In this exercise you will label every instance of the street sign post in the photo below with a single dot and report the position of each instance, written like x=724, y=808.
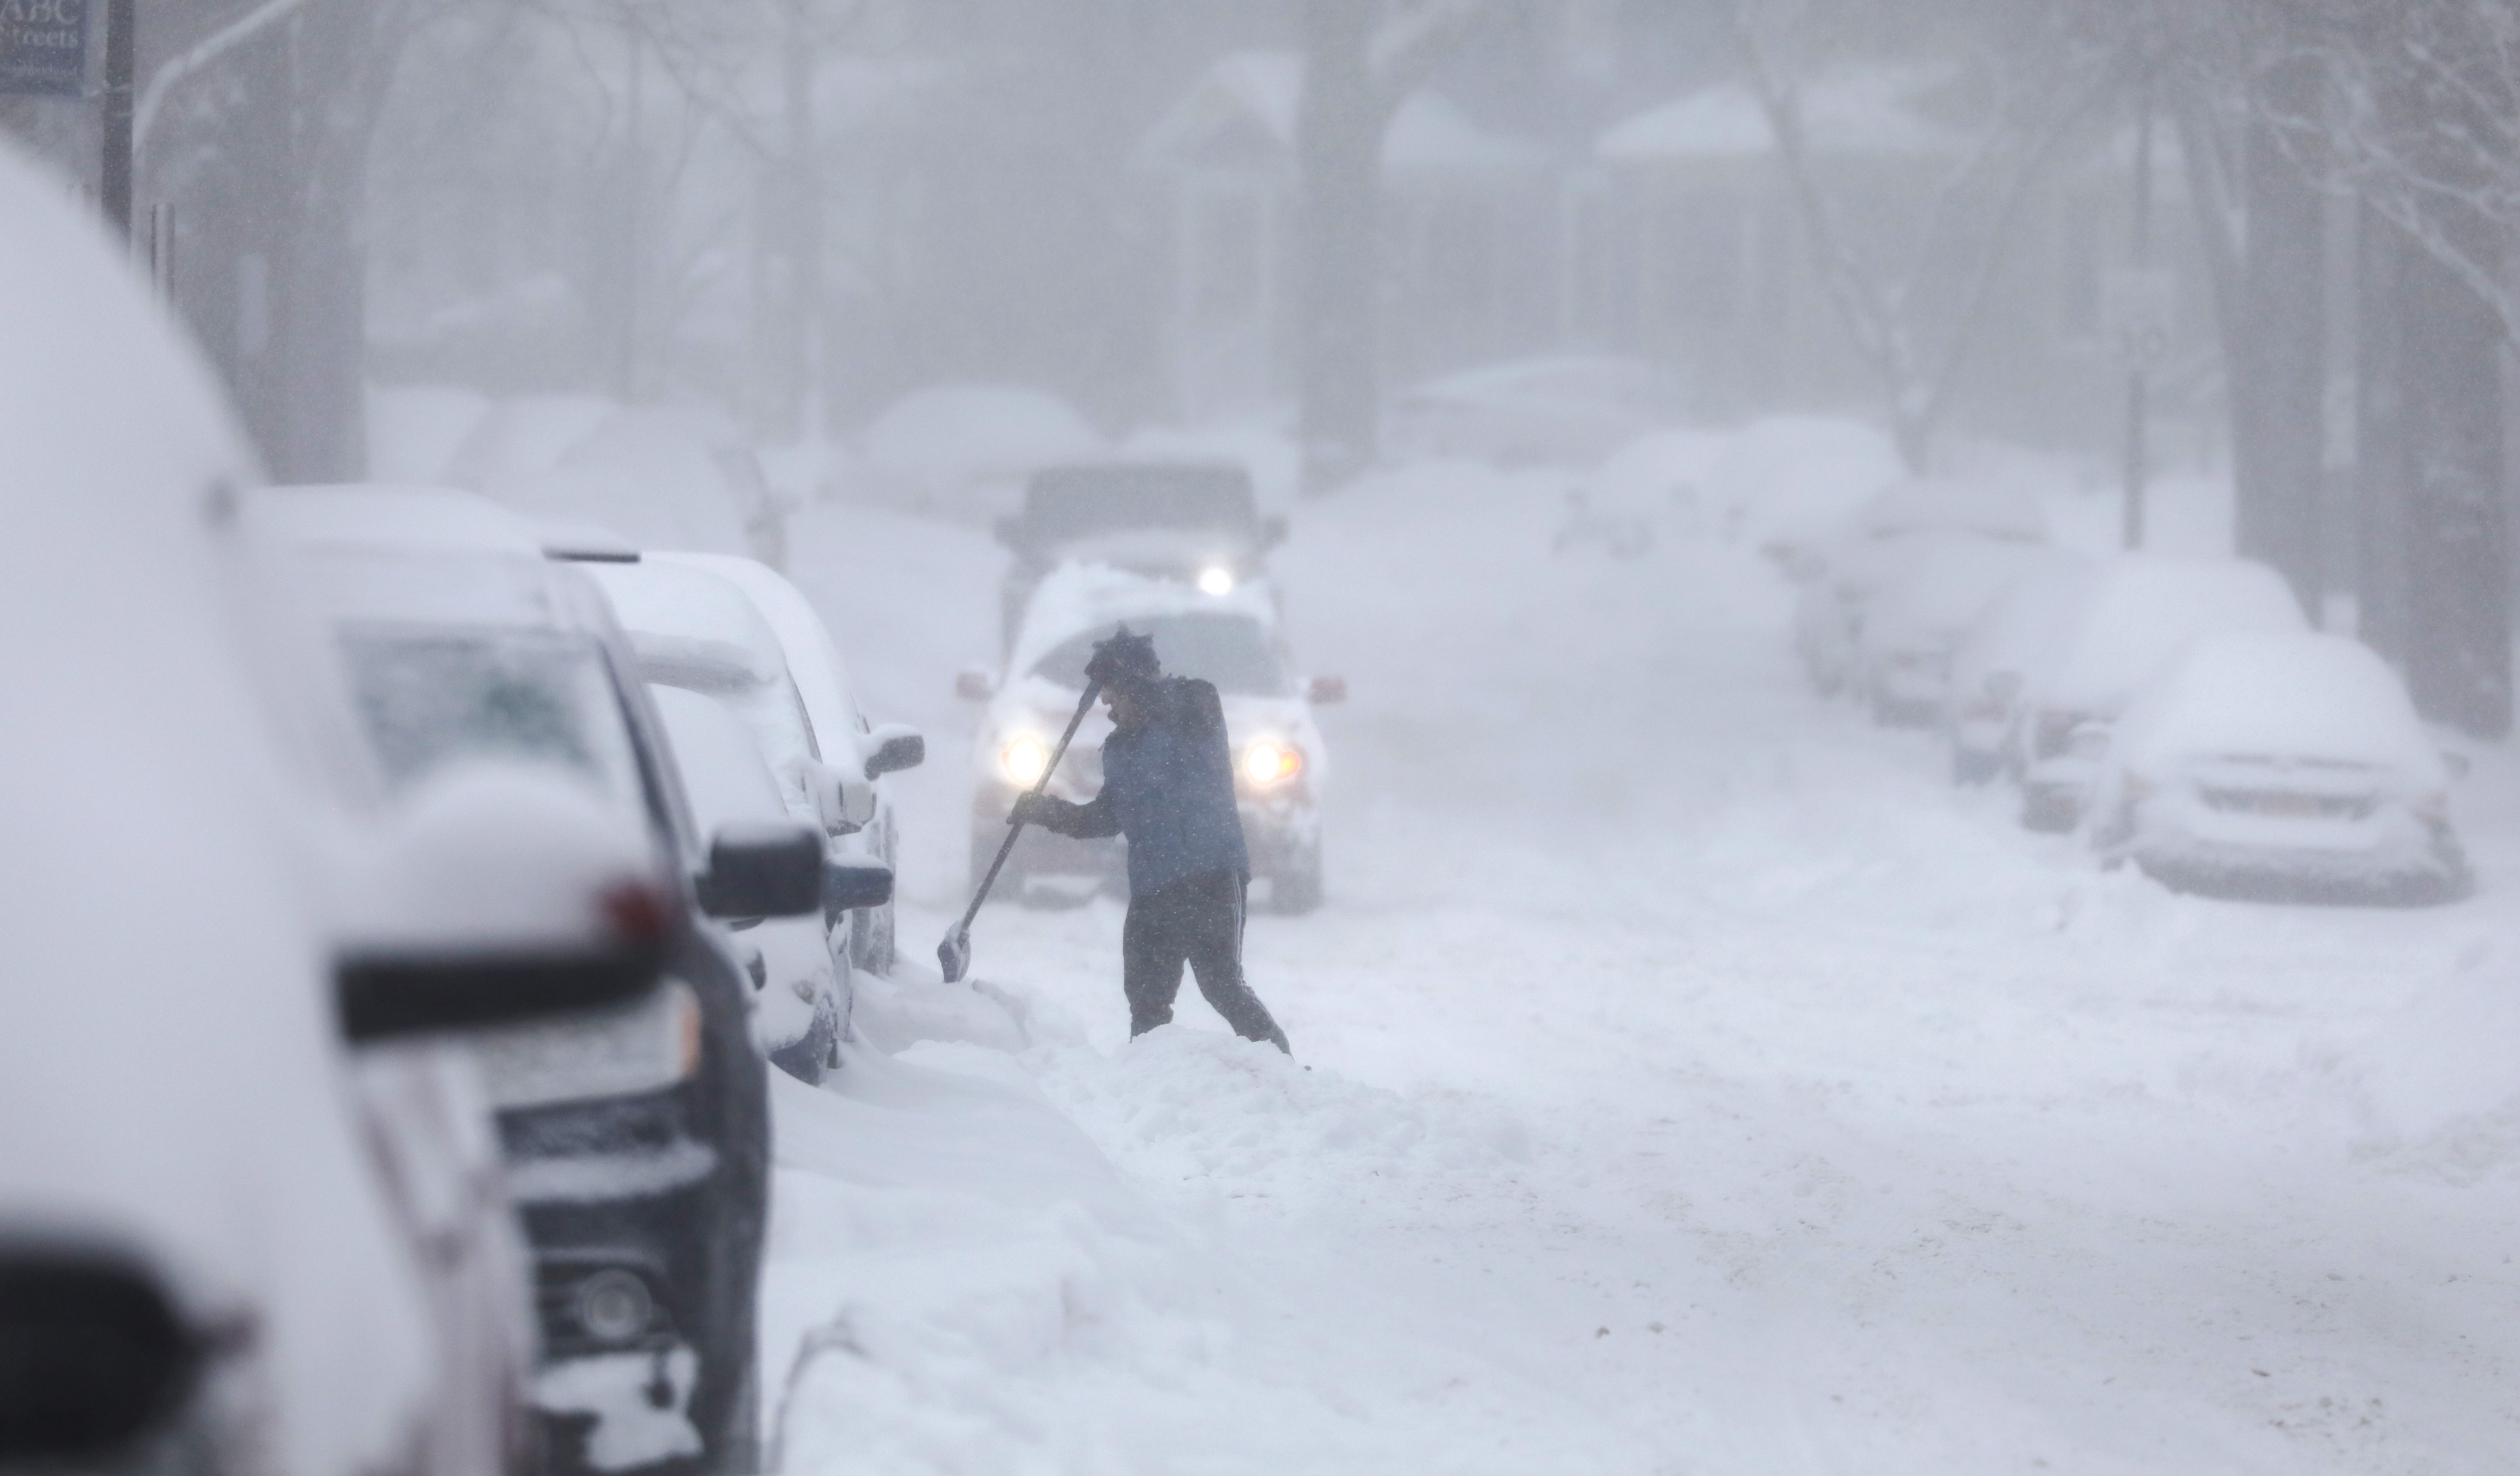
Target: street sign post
x=43, y=47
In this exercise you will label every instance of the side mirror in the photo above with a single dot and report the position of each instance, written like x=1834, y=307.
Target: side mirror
x=93, y=1355
x=2004, y=685
x=497, y=893
x=2089, y=743
x=1325, y=690
x=763, y=870
x=975, y=685
x=851, y=883
x=897, y=746
x=845, y=801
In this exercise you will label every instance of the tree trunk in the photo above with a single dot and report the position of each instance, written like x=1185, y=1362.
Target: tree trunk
x=1340, y=151
x=2383, y=456
x=2278, y=360
x=2459, y=593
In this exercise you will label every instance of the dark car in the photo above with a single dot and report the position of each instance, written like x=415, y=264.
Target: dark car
x=1195, y=522
x=636, y=1139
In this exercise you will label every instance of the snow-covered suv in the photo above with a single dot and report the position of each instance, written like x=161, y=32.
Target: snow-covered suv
x=637, y=1140
x=1232, y=639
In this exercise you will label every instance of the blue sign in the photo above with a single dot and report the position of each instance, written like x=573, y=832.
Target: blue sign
x=43, y=46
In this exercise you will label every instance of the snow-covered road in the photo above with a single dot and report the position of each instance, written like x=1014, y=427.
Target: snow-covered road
x=1691, y=1082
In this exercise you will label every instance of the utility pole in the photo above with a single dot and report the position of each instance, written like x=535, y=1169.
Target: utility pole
x=113, y=191
x=2139, y=354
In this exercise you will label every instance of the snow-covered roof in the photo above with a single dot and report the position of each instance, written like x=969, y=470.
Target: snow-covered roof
x=1081, y=597
x=1253, y=99
x=359, y=515
x=1852, y=110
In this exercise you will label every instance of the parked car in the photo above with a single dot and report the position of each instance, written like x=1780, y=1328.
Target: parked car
x=248, y=1218
x=1942, y=584
x=1840, y=576
x=2140, y=610
x=1570, y=410
x=842, y=736
x=696, y=631
x=2008, y=641
x=636, y=1139
x=1233, y=640
x=2285, y=765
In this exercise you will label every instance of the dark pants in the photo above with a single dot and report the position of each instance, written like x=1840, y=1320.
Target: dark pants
x=1196, y=921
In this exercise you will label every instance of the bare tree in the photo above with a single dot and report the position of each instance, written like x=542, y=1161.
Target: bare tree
x=1915, y=348
x=1360, y=62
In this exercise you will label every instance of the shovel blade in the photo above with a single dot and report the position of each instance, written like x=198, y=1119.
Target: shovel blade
x=954, y=954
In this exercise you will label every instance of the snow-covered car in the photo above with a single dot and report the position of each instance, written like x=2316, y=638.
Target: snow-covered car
x=1989, y=668
x=636, y=1139
x=1941, y=585
x=842, y=736
x=251, y=1218
x=1230, y=639
x=2141, y=609
x=1567, y=409
x=2284, y=764
x=1195, y=521
x=696, y=631
x=1841, y=575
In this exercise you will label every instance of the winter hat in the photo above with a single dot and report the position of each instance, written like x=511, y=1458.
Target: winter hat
x=1124, y=660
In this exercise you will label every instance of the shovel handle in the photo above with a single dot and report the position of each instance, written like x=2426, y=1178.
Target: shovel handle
x=1040, y=788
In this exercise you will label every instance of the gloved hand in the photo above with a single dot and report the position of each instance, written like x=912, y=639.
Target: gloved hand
x=1032, y=810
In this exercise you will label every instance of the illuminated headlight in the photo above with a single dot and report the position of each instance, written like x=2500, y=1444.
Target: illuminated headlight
x=624, y=1052
x=1216, y=580
x=1022, y=759
x=1270, y=762
x=613, y=1306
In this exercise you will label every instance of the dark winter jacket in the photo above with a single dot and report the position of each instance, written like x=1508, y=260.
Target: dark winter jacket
x=1168, y=785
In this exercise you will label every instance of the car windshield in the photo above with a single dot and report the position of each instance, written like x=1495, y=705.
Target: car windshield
x=431, y=695
x=1233, y=652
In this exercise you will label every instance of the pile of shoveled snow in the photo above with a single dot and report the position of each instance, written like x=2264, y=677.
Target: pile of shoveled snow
x=961, y=1281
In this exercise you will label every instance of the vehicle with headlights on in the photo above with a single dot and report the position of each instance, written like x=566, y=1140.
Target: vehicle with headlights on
x=636, y=1139
x=1231, y=639
x=1198, y=523
x=2285, y=766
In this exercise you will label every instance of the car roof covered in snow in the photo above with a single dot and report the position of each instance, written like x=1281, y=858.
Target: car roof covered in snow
x=813, y=660
x=1600, y=378
x=677, y=614
x=2142, y=609
x=424, y=555
x=1942, y=585
x=1075, y=598
x=1929, y=504
x=2298, y=696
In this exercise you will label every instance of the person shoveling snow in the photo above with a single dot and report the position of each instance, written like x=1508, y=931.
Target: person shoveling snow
x=1168, y=786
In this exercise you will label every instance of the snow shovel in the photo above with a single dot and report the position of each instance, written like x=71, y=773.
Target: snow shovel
x=954, y=954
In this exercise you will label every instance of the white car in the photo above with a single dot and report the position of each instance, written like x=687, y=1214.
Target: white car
x=696, y=631
x=1567, y=409
x=1941, y=586
x=250, y=1217
x=1232, y=639
x=842, y=736
x=2284, y=765
x=2009, y=640
x=1841, y=575
x=2140, y=610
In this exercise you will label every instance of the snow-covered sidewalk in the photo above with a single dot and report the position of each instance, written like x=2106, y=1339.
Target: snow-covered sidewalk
x=1695, y=1083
